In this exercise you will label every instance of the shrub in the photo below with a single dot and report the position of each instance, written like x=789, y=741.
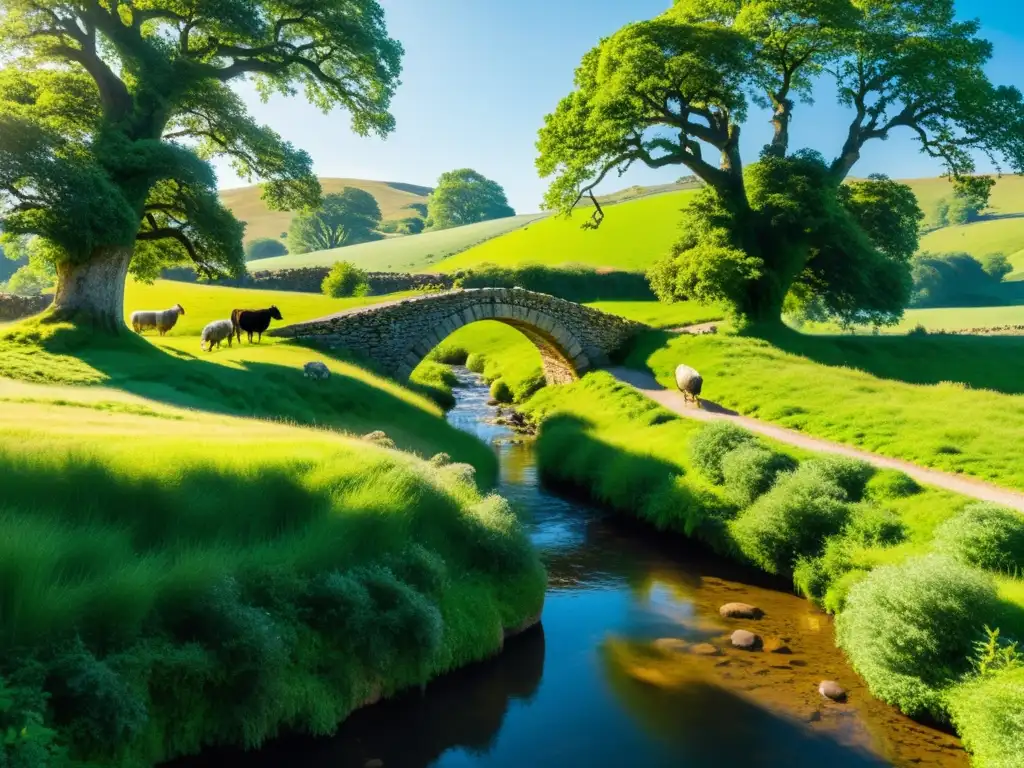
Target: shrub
x=449, y=354
x=345, y=279
x=29, y=281
x=264, y=248
x=710, y=446
x=500, y=391
x=851, y=475
x=750, y=470
x=908, y=629
x=988, y=713
x=575, y=282
x=984, y=535
x=791, y=521
x=891, y=484
x=874, y=526
x=476, y=362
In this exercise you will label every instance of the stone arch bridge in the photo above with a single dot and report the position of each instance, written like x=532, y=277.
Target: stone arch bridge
x=397, y=335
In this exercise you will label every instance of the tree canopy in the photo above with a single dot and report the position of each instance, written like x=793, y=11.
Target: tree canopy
x=676, y=90
x=111, y=109
x=464, y=197
x=264, y=248
x=343, y=218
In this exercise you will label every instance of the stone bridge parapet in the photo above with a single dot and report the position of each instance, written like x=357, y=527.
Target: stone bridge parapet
x=397, y=335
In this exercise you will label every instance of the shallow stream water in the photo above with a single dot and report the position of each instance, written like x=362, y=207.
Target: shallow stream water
x=609, y=679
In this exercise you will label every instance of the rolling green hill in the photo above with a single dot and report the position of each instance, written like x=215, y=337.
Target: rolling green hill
x=394, y=199
x=413, y=253
x=633, y=235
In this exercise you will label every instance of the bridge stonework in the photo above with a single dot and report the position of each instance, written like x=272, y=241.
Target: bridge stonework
x=397, y=335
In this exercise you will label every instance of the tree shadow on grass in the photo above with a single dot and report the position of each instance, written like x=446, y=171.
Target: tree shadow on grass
x=980, y=362
x=261, y=390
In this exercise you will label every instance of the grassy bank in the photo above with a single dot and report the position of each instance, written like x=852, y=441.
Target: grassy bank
x=913, y=574
x=160, y=593
x=952, y=403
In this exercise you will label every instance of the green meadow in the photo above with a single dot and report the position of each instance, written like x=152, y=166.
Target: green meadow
x=410, y=253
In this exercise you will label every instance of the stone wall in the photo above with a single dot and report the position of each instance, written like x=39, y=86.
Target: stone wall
x=571, y=338
x=309, y=280
x=16, y=307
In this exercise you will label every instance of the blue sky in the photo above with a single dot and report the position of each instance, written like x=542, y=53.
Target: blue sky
x=479, y=76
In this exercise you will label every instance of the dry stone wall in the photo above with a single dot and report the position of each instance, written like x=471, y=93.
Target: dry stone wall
x=571, y=338
x=15, y=307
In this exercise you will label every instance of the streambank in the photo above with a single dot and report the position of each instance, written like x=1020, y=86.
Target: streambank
x=611, y=676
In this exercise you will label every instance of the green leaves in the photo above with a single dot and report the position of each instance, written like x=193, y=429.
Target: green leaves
x=344, y=218
x=464, y=196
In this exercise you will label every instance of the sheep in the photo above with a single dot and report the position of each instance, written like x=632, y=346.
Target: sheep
x=162, y=320
x=253, y=321
x=215, y=333
x=689, y=382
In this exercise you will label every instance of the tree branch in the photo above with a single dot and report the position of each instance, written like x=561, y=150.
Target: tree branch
x=170, y=233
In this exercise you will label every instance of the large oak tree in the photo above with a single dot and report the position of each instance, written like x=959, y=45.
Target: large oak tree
x=789, y=227
x=111, y=109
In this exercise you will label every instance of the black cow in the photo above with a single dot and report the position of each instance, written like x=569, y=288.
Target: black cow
x=253, y=321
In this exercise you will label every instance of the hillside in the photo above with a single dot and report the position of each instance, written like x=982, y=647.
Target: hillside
x=633, y=235
x=412, y=253
x=393, y=198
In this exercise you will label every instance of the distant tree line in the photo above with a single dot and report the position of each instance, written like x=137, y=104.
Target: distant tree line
x=957, y=279
x=968, y=202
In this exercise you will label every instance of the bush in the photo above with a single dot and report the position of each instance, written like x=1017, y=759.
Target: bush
x=500, y=391
x=988, y=713
x=851, y=475
x=264, y=248
x=345, y=279
x=984, y=535
x=908, y=629
x=710, y=446
x=750, y=470
x=575, y=282
x=449, y=354
x=791, y=521
x=476, y=362
x=872, y=526
x=28, y=281
x=891, y=484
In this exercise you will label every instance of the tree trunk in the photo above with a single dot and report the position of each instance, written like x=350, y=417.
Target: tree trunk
x=91, y=294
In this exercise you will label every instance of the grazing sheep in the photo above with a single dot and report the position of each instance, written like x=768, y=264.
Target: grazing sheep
x=162, y=320
x=215, y=333
x=689, y=382
x=316, y=371
x=253, y=321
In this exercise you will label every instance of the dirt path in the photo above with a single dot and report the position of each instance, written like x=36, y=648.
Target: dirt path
x=673, y=400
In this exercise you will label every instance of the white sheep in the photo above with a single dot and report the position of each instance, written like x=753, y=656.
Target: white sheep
x=162, y=320
x=689, y=382
x=215, y=333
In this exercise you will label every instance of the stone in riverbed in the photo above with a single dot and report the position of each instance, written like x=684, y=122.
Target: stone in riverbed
x=776, y=645
x=704, y=649
x=745, y=640
x=671, y=644
x=740, y=611
x=832, y=690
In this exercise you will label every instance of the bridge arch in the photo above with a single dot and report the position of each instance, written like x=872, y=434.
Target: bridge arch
x=397, y=335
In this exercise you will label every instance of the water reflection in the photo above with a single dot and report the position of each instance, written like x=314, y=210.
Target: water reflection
x=612, y=679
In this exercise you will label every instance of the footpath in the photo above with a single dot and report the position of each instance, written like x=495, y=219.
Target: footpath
x=673, y=400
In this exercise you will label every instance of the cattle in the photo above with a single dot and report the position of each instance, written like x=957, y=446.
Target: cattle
x=253, y=321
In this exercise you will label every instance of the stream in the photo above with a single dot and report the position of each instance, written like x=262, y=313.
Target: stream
x=608, y=679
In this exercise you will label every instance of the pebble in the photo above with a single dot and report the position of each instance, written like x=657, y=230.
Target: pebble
x=748, y=641
x=740, y=611
x=704, y=649
x=775, y=645
x=832, y=690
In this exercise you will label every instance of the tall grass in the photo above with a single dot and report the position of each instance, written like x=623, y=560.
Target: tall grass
x=167, y=593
